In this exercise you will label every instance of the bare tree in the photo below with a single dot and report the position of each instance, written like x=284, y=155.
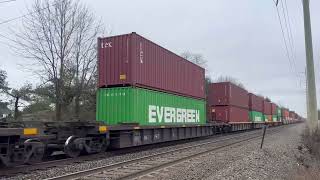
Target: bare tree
x=4, y=108
x=84, y=65
x=195, y=58
x=207, y=82
x=24, y=93
x=230, y=79
x=3, y=77
x=59, y=39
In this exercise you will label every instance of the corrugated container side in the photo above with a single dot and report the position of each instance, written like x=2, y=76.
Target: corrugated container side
x=267, y=118
x=279, y=114
x=266, y=107
x=285, y=113
x=292, y=115
x=131, y=105
x=226, y=93
x=274, y=118
x=256, y=116
x=134, y=60
x=255, y=102
x=274, y=109
x=229, y=114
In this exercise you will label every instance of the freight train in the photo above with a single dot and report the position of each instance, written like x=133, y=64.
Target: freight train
x=147, y=94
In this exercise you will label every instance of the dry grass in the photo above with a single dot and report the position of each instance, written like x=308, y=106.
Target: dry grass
x=310, y=165
x=306, y=174
x=312, y=142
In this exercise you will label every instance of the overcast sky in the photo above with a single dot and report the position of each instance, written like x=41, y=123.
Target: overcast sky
x=238, y=38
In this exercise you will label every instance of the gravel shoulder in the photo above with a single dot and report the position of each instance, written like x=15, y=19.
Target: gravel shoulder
x=280, y=158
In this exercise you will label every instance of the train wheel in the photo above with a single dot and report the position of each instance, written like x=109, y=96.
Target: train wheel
x=34, y=151
x=72, y=148
x=104, y=145
x=47, y=154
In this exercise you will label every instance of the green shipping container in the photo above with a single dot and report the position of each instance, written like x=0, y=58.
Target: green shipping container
x=279, y=114
x=132, y=105
x=256, y=116
x=274, y=118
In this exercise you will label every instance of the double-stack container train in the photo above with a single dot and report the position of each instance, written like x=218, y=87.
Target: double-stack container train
x=256, y=108
x=146, y=94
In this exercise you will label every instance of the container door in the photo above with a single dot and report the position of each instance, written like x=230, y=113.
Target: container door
x=213, y=114
x=114, y=60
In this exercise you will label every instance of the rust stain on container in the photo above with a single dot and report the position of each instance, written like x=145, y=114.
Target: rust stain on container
x=131, y=59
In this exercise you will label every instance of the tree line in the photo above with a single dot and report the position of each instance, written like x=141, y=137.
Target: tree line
x=58, y=40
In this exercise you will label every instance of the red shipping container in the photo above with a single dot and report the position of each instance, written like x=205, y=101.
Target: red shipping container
x=131, y=59
x=269, y=118
x=229, y=114
x=292, y=114
x=255, y=102
x=226, y=93
x=274, y=109
x=285, y=113
x=266, y=107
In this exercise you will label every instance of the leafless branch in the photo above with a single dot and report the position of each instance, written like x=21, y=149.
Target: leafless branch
x=59, y=38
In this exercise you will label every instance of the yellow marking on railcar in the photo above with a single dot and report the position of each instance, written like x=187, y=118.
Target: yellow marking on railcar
x=103, y=129
x=30, y=131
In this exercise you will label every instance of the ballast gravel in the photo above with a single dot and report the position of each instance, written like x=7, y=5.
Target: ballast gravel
x=278, y=159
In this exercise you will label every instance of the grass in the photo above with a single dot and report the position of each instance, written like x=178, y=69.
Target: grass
x=309, y=167
x=312, y=142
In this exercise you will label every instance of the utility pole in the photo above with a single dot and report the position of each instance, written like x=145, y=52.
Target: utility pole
x=312, y=110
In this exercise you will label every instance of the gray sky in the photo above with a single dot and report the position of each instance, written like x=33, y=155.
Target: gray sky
x=241, y=39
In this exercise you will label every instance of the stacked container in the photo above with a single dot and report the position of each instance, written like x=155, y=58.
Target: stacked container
x=143, y=83
x=274, y=112
x=292, y=115
x=227, y=103
x=279, y=114
x=255, y=108
x=285, y=115
x=267, y=113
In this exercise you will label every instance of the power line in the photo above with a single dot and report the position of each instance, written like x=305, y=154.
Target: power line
x=288, y=28
x=19, y=17
x=284, y=38
x=288, y=45
x=6, y=1
x=6, y=37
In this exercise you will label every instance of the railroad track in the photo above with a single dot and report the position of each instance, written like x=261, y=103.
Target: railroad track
x=25, y=169
x=140, y=167
x=60, y=161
